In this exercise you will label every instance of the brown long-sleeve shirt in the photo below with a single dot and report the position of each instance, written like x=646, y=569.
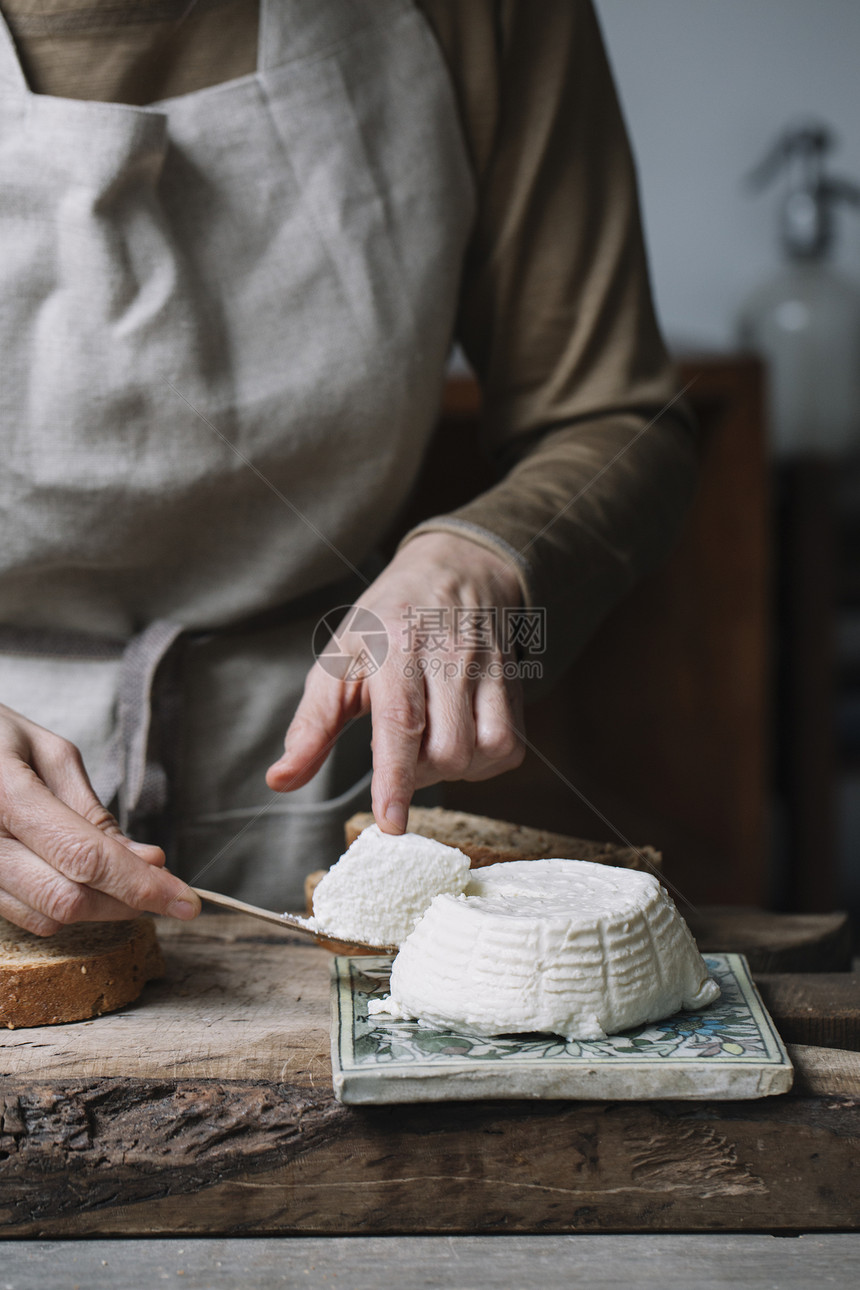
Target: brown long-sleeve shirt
x=555, y=307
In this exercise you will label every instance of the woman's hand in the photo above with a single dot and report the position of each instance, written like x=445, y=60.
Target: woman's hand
x=441, y=705
x=63, y=857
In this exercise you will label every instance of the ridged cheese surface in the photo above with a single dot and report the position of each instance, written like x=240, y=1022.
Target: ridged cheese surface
x=563, y=946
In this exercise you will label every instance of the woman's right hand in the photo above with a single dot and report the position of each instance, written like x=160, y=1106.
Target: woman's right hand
x=63, y=857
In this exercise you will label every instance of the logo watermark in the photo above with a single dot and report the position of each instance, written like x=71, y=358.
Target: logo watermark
x=350, y=643
x=473, y=669
x=447, y=641
x=443, y=628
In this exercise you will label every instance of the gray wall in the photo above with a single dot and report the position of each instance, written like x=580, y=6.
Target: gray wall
x=706, y=85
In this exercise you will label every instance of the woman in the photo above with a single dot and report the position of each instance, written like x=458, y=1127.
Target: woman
x=238, y=241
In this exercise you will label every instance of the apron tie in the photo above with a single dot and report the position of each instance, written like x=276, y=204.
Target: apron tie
x=142, y=780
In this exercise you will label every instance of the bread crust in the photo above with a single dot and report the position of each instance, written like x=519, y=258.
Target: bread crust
x=487, y=841
x=60, y=979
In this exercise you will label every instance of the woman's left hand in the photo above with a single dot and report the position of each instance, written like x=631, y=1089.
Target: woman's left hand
x=443, y=703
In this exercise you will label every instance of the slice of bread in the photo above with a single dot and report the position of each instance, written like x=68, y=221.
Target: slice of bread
x=487, y=841
x=80, y=972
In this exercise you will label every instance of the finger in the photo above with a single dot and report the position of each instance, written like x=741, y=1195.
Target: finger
x=448, y=747
x=498, y=745
x=77, y=849
x=397, y=707
x=60, y=766
x=324, y=709
x=36, y=884
x=23, y=915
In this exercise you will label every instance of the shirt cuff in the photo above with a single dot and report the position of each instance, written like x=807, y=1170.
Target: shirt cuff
x=485, y=538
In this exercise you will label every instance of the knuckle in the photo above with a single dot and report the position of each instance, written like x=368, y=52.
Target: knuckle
x=450, y=758
x=67, y=750
x=514, y=759
x=501, y=744
x=81, y=860
x=152, y=892
x=404, y=715
x=66, y=903
x=511, y=759
x=57, y=753
x=99, y=816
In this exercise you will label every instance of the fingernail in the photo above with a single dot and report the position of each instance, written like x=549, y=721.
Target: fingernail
x=181, y=908
x=397, y=814
x=141, y=848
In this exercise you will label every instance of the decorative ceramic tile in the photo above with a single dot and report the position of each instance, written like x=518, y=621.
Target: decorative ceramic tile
x=728, y=1050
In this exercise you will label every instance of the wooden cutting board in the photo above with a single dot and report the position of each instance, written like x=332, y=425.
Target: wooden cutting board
x=207, y=1108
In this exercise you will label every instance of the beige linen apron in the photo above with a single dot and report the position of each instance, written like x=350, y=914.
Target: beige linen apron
x=223, y=321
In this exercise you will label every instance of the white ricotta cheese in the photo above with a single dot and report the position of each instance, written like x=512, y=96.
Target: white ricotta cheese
x=564, y=946
x=383, y=883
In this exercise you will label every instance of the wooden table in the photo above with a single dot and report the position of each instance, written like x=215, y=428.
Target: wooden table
x=207, y=1109
x=703, y=1261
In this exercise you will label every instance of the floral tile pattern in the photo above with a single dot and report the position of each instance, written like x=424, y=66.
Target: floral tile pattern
x=729, y=1049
